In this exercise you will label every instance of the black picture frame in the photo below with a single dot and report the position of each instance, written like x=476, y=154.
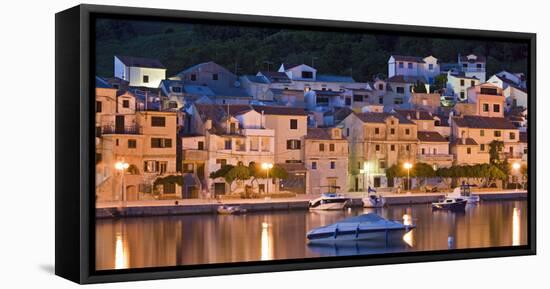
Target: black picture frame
x=74, y=198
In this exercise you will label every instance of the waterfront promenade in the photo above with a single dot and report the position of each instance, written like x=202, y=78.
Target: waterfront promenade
x=300, y=202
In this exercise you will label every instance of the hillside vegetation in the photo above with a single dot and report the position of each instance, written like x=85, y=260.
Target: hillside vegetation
x=246, y=50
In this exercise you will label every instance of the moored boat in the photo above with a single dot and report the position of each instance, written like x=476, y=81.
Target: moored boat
x=373, y=200
x=230, y=210
x=329, y=201
x=364, y=227
x=450, y=203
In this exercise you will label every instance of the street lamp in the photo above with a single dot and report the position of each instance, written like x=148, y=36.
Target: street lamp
x=121, y=166
x=516, y=167
x=408, y=166
x=267, y=167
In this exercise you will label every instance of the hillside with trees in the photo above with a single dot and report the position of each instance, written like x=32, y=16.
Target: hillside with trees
x=245, y=50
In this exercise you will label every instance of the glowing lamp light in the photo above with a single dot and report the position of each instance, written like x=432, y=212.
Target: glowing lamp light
x=120, y=166
x=267, y=166
x=516, y=166
x=407, y=165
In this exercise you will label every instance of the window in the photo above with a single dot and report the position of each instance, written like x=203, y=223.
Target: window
x=347, y=131
x=266, y=144
x=155, y=167
x=472, y=83
x=348, y=101
x=307, y=74
x=469, y=151
x=462, y=95
x=321, y=100
x=313, y=165
x=125, y=103
x=132, y=144
x=331, y=147
x=408, y=147
x=214, y=76
x=488, y=90
x=221, y=162
x=116, y=142
x=478, y=65
x=462, y=82
x=434, y=151
x=423, y=151
x=430, y=66
x=398, y=100
x=176, y=89
x=146, y=79
x=380, y=100
x=254, y=144
x=293, y=144
x=200, y=145
x=158, y=121
x=377, y=148
x=98, y=106
x=465, y=65
x=193, y=77
x=392, y=131
x=227, y=144
x=401, y=65
x=392, y=148
x=380, y=86
x=400, y=90
x=409, y=65
x=497, y=133
x=481, y=133
x=173, y=104
x=511, y=150
x=382, y=164
x=376, y=130
x=358, y=98
x=496, y=107
x=161, y=142
x=332, y=165
x=512, y=136
x=293, y=124
x=240, y=145
x=321, y=147
x=407, y=131
x=485, y=107
x=482, y=147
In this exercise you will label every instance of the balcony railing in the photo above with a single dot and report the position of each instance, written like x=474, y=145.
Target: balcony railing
x=111, y=129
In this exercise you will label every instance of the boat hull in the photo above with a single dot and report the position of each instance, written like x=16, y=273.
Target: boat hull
x=455, y=206
x=381, y=235
x=377, y=202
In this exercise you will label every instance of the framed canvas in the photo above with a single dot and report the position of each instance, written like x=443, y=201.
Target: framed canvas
x=196, y=144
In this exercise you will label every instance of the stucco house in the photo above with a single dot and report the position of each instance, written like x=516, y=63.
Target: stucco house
x=458, y=84
x=426, y=67
x=326, y=158
x=139, y=71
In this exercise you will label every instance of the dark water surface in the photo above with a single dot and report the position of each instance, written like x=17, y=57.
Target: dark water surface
x=199, y=239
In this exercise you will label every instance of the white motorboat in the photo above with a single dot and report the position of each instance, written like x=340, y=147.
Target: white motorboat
x=464, y=192
x=373, y=200
x=230, y=210
x=364, y=227
x=329, y=201
x=450, y=203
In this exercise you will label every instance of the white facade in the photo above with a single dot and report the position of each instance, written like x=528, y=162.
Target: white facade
x=139, y=76
x=427, y=67
x=459, y=85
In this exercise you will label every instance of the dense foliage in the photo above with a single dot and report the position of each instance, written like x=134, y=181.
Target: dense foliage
x=245, y=50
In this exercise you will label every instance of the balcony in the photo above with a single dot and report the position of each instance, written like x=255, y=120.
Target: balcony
x=111, y=129
x=194, y=155
x=437, y=158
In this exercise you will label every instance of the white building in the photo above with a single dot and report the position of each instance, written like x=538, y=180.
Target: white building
x=458, y=83
x=473, y=66
x=139, y=71
x=427, y=67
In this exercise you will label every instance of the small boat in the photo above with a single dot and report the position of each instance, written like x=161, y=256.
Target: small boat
x=464, y=192
x=373, y=200
x=363, y=227
x=329, y=201
x=230, y=210
x=450, y=203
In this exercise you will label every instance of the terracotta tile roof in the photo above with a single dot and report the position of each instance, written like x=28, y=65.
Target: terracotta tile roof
x=467, y=141
x=280, y=110
x=140, y=61
x=430, y=136
x=380, y=117
x=483, y=122
x=412, y=114
x=320, y=133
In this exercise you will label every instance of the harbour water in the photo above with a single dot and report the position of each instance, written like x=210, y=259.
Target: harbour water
x=201, y=239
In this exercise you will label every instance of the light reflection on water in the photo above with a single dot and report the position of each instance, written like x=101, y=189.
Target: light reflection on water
x=199, y=239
